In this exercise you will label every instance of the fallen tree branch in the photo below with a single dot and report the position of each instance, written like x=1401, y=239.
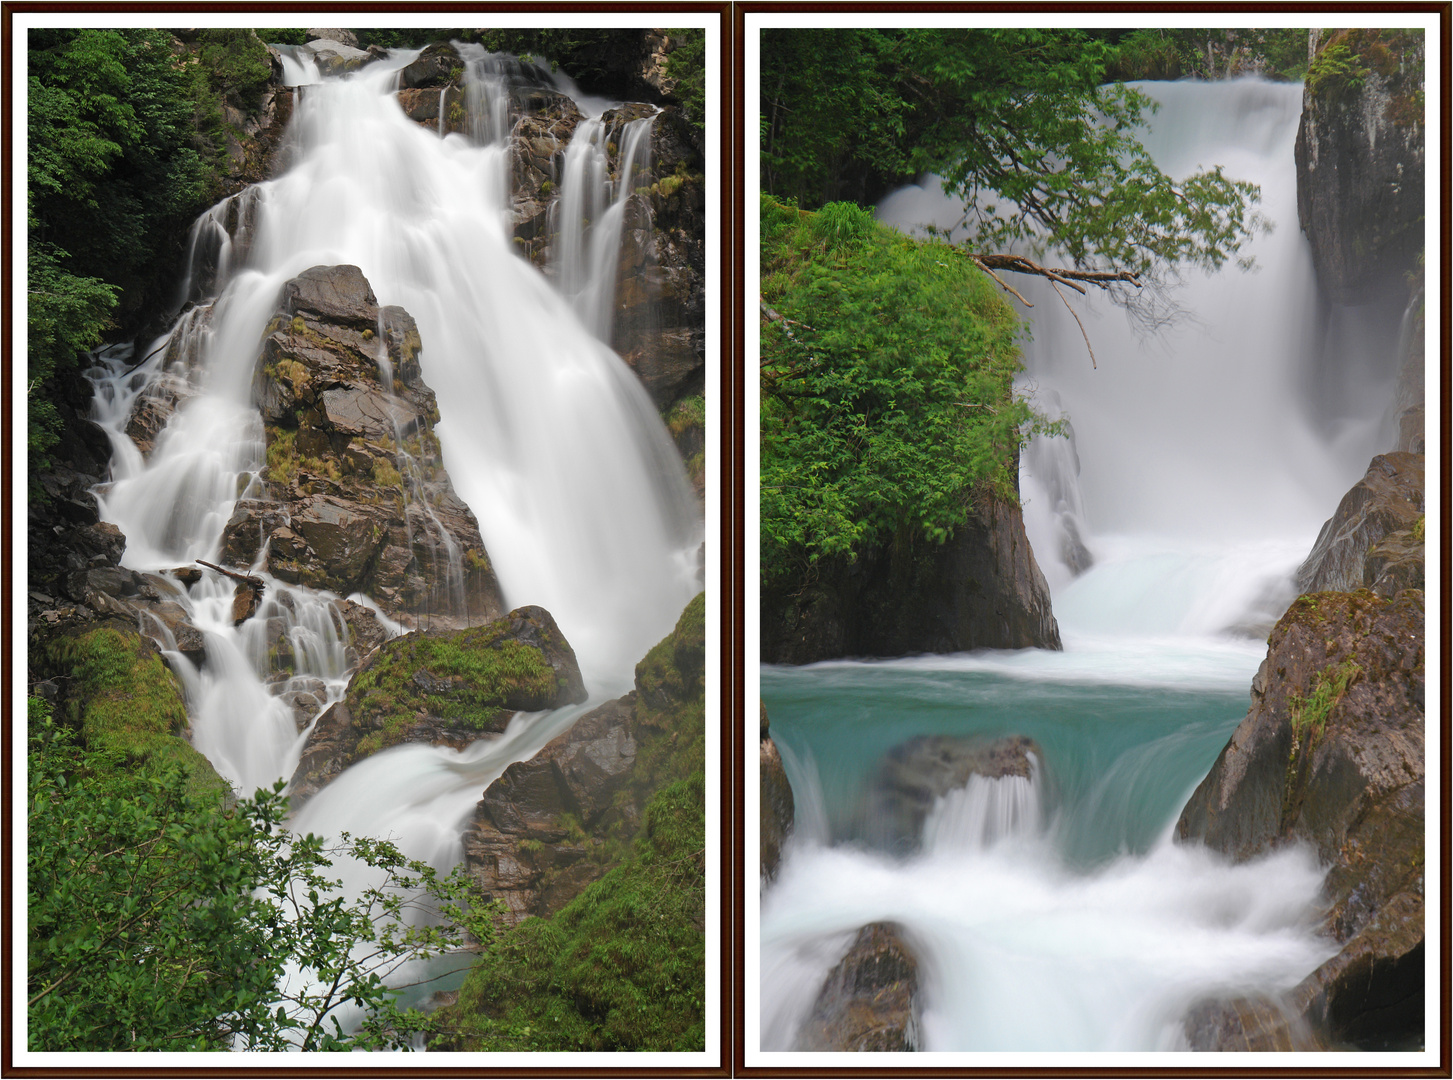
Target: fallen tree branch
x=255, y=582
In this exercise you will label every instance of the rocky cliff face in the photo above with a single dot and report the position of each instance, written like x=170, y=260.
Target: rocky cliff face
x=1359, y=159
x=354, y=496
x=1378, y=515
x=553, y=824
x=1331, y=755
x=980, y=590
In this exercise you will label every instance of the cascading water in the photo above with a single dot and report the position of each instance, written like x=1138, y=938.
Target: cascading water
x=1061, y=916
x=580, y=495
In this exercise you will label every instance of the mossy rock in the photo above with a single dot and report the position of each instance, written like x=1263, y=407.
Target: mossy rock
x=443, y=688
x=123, y=699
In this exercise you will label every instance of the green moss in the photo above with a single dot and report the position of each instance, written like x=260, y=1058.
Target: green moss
x=1418, y=530
x=687, y=413
x=128, y=704
x=299, y=327
x=481, y=671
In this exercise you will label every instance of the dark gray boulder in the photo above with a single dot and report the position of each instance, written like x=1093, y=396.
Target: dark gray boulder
x=777, y=808
x=1387, y=500
x=869, y=1001
x=914, y=774
x=982, y=589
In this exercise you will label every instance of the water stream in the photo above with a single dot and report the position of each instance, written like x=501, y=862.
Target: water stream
x=579, y=492
x=1055, y=913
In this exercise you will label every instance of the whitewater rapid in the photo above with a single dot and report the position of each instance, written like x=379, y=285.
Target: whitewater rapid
x=1197, y=476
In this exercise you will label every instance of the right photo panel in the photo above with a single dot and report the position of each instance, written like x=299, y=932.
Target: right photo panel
x=1094, y=372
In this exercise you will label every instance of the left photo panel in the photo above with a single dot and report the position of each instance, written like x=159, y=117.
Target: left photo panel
x=366, y=654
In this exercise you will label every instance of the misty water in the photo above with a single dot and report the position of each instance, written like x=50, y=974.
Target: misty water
x=1056, y=913
x=580, y=495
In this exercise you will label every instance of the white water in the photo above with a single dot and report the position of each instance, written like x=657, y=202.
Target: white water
x=578, y=490
x=1199, y=475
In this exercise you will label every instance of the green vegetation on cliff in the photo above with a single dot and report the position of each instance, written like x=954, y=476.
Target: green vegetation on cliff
x=623, y=965
x=887, y=372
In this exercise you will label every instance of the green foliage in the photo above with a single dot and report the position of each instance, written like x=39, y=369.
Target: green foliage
x=127, y=704
x=1310, y=714
x=1183, y=52
x=113, y=177
x=288, y=35
x=157, y=922
x=1019, y=122
x=887, y=387
x=1336, y=70
x=687, y=413
x=237, y=64
x=687, y=65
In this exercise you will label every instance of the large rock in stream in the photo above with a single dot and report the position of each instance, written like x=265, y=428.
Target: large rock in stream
x=355, y=495
x=916, y=774
x=869, y=1001
x=982, y=589
x=553, y=824
x=446, y=688
x=777, y=808
x=1331, y=755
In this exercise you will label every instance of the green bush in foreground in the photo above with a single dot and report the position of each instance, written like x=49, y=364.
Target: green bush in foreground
x=158, y=921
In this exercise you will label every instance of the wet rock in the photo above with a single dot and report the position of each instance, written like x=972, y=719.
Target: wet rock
x=661, y=272
x=1387, y=500
x=1331, y=755
x=982, y=589
x=245, y=600
x=1395, y=563
x=356, y=496
x=551, y=825
x=914, y=774
x=343, y=37
x=154, y=408
x=777, y=807
x=246, y=532
x=336, y=57
x=365, y=632
x=445, y=689
x=1359, y=156
x=869, y=1001
x=437, y=65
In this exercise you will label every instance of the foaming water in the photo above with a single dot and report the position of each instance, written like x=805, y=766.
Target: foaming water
x=1055, y=912
x=579, y=492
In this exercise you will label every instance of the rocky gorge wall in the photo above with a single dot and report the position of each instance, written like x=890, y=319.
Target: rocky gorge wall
x=981, y=589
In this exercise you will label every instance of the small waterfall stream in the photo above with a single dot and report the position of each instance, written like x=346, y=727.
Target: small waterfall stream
x=548, y=437
x=1055, y=913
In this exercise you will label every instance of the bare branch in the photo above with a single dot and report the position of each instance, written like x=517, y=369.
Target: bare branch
x=1055, y=287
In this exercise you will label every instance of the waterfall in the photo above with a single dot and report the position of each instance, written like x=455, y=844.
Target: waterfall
x=548, y=437
x=1057, y=914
